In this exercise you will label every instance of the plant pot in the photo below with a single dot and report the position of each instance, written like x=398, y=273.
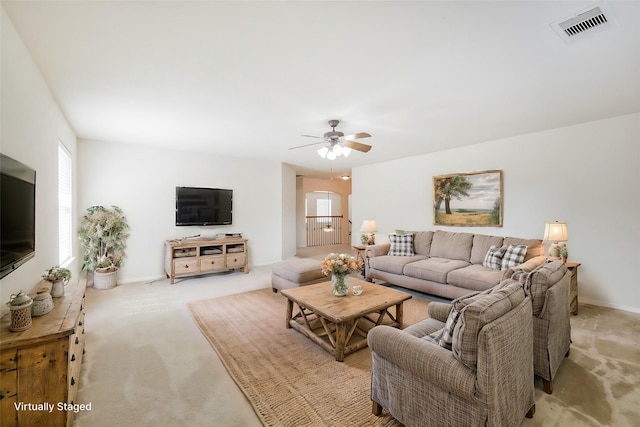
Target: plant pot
x=105, y=278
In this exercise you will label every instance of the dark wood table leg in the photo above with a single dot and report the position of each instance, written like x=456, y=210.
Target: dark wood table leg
x=399, y=315
x=289, y=313
x=341, y=335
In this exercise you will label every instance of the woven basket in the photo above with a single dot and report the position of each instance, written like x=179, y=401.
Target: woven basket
x=21, y=317
x=105, y=280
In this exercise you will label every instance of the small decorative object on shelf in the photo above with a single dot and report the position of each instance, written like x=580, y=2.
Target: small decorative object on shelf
x=42, y=303
x=20, y=306
x=58, y=277
x=340, y=266
x=564, y=254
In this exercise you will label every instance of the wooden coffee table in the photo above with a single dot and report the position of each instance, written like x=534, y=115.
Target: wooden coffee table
x=340, y=324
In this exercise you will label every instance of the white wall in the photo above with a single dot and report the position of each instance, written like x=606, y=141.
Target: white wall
x=586, y=175
x=288, y=211
x=32, y=123
x=142, y=181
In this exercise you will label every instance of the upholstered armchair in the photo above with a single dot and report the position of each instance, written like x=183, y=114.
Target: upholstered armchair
x=549, y=288
x=469, y=364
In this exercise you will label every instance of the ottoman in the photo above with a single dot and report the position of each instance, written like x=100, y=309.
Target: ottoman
x=295, y=272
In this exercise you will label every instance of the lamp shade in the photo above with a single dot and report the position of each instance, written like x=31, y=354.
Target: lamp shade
x=556, y=232
x=369, y=226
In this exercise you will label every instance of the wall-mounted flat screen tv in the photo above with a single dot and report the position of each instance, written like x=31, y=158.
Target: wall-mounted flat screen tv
x=204, y=206
x=17, y=214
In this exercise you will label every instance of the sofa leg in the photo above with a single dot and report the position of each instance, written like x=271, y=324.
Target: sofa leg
x=532, y=411
x=548, y=386
x=275, y=291
x=376, y=409
x=568, y=351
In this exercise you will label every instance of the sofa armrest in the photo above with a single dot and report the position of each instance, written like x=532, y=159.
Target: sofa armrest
x=439, y=310
x=526, y=267
x=423, y=359
x=377, y=250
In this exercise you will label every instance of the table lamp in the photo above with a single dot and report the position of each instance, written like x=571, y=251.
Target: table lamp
x=555, y=232
x=368, y=228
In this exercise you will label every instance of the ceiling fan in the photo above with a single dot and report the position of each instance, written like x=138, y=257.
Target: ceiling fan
x=337, y=143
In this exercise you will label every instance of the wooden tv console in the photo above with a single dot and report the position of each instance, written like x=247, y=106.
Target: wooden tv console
x=191, y=257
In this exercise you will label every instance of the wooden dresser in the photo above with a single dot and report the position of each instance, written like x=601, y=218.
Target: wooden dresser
x=41, y=365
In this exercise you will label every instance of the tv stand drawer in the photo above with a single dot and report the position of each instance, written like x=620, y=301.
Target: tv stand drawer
x=212, y=263
x=183, y=266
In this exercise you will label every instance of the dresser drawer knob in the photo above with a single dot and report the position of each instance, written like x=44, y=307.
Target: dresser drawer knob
x=73, y=381
x=77, y=340
x=73, y=357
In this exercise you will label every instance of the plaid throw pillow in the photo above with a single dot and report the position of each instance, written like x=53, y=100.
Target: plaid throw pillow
x=446, y=339
x=401, y=245
x=494, y=256
x=513, y=256
x=433, y=337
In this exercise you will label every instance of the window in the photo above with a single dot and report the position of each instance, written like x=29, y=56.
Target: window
x=64, y=205
x=323, y=208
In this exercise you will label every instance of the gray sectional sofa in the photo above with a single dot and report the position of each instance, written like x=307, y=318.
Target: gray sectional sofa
x=447, y=264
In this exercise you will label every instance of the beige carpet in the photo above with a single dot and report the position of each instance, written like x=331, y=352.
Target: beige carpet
x=289, y=380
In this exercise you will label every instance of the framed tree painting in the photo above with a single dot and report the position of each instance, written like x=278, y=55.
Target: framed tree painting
x=468, y=199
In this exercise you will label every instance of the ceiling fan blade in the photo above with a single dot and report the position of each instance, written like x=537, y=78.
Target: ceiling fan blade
x=358, y=135
x=357, y=146
x=312, y=136
x=306, y=145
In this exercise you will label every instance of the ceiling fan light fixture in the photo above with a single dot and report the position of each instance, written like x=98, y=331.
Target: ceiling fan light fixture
x=322, y=152
x=337, y=149
x=331, y=155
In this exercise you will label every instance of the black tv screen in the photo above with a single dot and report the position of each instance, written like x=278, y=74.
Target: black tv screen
x=204, y=206
x=17, y=214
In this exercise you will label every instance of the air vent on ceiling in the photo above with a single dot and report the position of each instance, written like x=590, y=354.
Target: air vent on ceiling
x=589, y=21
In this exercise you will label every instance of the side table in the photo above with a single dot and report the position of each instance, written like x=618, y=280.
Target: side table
x=573, y=289
x=358, y=252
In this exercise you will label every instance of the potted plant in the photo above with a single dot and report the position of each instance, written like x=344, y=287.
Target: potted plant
x=58, y=277
x=103, y=234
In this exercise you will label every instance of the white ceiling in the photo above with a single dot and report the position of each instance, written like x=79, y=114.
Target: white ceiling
x=249, y=78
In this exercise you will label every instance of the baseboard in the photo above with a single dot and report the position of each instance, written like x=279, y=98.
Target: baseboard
x=586, y=300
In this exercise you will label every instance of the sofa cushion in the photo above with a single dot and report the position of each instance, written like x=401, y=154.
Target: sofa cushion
x=451, y=245
x=392, y=264
x=422, y=242
x=474, y=277
x=401, y=245
x=481, y=245
x=493, y=258
x=534, y=246
x=541, y=279
x=513, y=256
x=433, y=269
x=476, y=312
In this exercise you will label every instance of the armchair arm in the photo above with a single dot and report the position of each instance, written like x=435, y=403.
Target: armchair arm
x=439, y=310
x=430, y=362
x=377, y=250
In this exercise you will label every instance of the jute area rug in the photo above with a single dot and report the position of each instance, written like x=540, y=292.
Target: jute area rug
x=289, y=380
